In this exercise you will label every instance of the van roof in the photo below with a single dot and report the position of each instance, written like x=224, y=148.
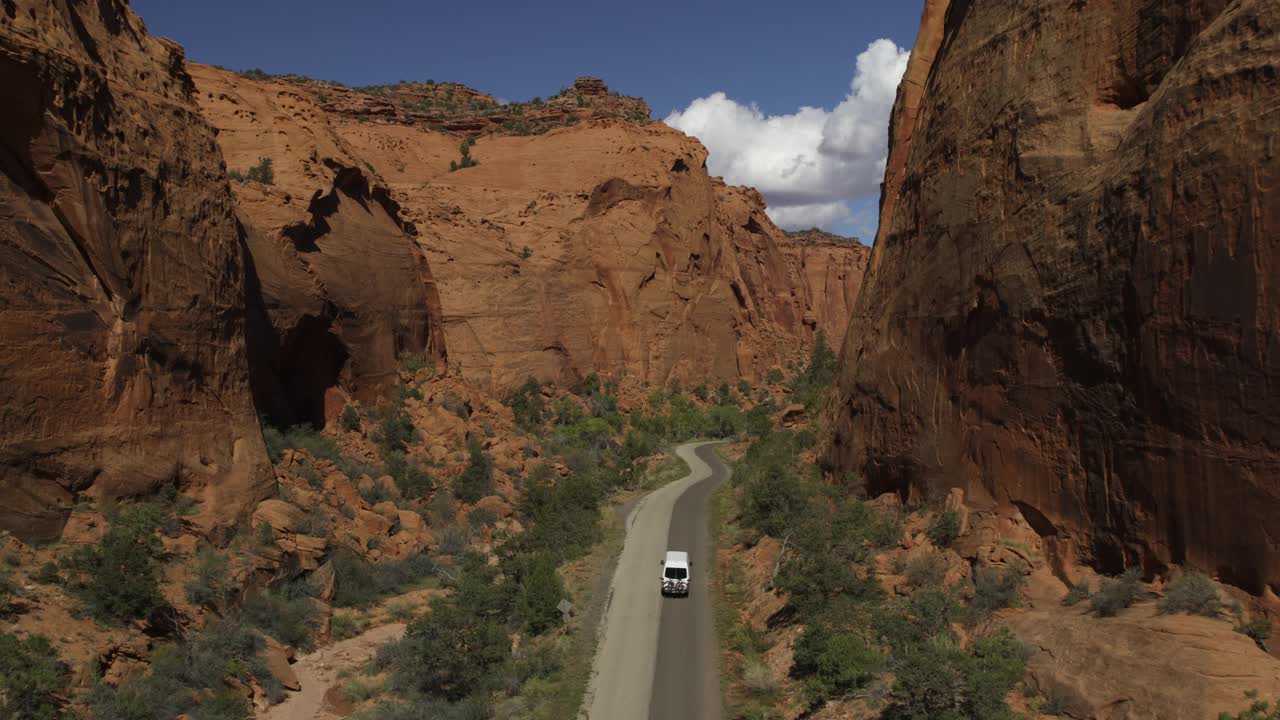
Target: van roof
x=677, y=557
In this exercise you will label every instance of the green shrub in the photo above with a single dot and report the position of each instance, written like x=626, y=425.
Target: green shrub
x=32, y=679
x=925, y=614
x=939, y=681
x=945, y=528
x=1078, y=594
x=833, y=663
x=411, y=478
x=476, y=481
x=262, y=173
x=208, y=585
x=191, y=678
x=48, y=574
x=812, y=381
x=1259, y=629
x=449, y=653
x=466, y=161
x=299, y=437
x=562, y=519
x=481, y=518
x=886, y=529
x=1192, y=593
x=541, y=591
x=395, y=430
x=119, y=577
x=725, y=421
x=1257, y=710
x=350, y=419
x=758, y=679
x=284, y=615
x=1115, y=594
x=359, y=583
x=926, y=571
x=527, y=404
x=774, y=493
x=994, y=590
x=342, y=627
x=774, y=376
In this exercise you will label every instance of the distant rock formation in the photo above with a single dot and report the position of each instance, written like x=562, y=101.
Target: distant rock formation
x=1071, y=306
x=599, y=247
x=830, y=268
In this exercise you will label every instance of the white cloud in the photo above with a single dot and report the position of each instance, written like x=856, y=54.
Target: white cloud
x=811, y=163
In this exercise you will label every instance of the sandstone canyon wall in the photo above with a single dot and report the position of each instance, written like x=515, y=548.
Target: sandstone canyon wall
x=600, y=246
x=123, y=362
x=604, y=247
x=345, y=288
x=1072, y=301
x=829, y=270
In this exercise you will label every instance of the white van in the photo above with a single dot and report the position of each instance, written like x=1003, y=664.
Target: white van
x=675, y=574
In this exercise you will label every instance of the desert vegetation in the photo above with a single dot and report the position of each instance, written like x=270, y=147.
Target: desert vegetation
x=263, y=173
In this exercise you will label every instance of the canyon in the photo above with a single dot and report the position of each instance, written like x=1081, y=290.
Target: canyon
x=1070, y=310
x=156, y=308
x=329, y=334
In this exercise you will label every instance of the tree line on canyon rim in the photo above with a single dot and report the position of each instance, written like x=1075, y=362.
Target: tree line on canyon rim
x=454, y=661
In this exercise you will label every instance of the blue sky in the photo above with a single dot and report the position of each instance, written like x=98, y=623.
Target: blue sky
x=777, y=57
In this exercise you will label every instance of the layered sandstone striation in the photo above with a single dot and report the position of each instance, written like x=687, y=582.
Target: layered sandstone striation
x=344, y=289
x=123, y=361
x=1071, y=304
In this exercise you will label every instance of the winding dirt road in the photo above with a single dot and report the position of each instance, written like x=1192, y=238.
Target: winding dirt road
x=658, y=656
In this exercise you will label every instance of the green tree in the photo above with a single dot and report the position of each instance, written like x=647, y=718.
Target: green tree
x=32, y=679
x=123, y=569
x=527, y=405
x=833, y=663
x=350, y=419
x=454, y=651
x=476, y=481
x=541, y=591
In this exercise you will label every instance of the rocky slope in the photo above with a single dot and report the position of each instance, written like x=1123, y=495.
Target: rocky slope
x=345, y=287
x=123, y=361
x=1071, y=304
x=601, y=247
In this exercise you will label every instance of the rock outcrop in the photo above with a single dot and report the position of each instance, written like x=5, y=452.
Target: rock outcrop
x=455, y=108
x=829, y=269
x=123, y=362
x=1071, y=303
x=345, y=288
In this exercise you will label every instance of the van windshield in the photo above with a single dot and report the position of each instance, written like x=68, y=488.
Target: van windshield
x=674, y=573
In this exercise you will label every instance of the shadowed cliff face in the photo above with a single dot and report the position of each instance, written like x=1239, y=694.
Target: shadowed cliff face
x=344, y=287
x=122, y=354
x=1072, y=303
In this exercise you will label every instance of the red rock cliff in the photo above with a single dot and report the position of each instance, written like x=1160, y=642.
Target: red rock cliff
x=345, y=286
x=829, y=269
x=603, y=247
x=1072, y=304
x=122, y=355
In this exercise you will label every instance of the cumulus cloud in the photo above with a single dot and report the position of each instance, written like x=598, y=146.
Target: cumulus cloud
x=812, y=163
